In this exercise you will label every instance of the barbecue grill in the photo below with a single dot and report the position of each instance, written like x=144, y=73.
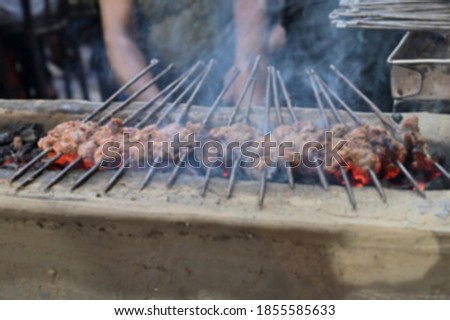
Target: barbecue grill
x=303, y=232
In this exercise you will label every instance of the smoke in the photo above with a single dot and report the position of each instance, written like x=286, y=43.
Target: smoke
x=185, y=31
x=314, y=43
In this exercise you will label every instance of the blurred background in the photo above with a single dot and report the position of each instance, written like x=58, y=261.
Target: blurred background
x=52, y=49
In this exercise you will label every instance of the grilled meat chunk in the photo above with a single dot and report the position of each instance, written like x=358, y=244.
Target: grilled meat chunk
x=67, y=136
x=412, y=137
x=370, y=147
x=292, y=140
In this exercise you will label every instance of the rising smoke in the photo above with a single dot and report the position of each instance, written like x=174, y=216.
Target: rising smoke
x=185, y=30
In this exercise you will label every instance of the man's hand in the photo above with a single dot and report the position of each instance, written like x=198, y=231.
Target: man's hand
x=253, y=38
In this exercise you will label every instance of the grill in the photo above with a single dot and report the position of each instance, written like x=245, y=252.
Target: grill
x=177, y=244
x=194, y=80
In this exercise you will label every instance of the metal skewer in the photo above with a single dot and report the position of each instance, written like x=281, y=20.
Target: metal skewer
x=30, y=164
x=248, y=108
x=213, y=108
x=320, y=172
x=209, y=170
x=62, y=174
x=169, y=89
x=276, y=99
x=287, y=97
x=86, y=176
x=263, y=178
x=102, y=107
x=160, y=105
x=232, y=180
x=318, y=100
x=128, y=101
x=119, y=173
x=339, y=119
x=251, y=82
x=244, y=91
x=389, y=123
x=121, y=90
x=377, y=185
x=179, y=120
x=348, y=187
x=38, y=172
x=206, y=182
x=343, y=104
x=200, y=79
x=411, y=179
x=442, y=170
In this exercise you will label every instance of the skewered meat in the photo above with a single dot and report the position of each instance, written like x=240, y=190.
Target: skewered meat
x=111, y=144
x=265, y=159
x=238, y=133
x=421, y=160
x=388, y=150
x=67, y=136
x=370, y=147
x=298, y=134
x=91, y=142
x=86, y=150
x=412, y=137
x=358, y=152
x=136, y=148
x=197, y=129
x=161, y=139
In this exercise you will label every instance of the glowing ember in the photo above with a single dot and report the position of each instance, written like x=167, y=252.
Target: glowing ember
x=392, y=172
x=66, y=159
x=422, y=186
x=360, y=176
x=88, y=163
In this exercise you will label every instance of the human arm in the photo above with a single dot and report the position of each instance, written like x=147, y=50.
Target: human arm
x=126, y=58
x=251, y=28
